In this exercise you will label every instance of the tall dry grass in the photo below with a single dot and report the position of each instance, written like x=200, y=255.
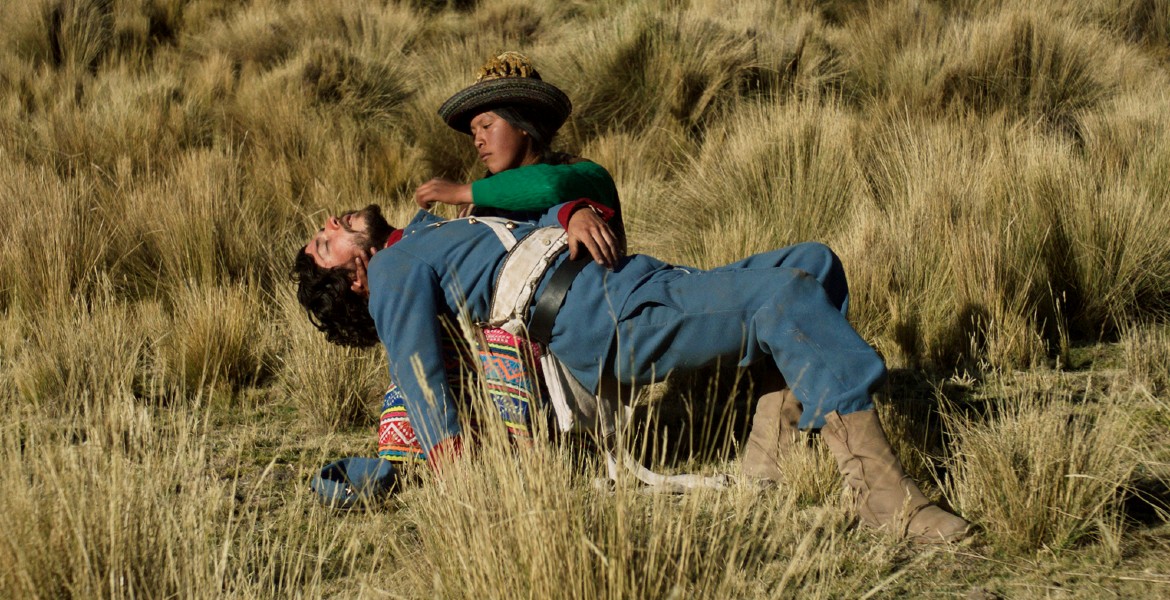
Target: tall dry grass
x=1042, y=472
x=994, y=174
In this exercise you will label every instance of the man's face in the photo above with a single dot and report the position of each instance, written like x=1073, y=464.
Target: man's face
x=345, y=237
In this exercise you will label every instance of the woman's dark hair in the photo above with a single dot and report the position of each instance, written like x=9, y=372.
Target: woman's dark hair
x=335, y=309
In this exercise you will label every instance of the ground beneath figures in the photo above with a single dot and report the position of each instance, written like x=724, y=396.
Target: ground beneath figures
x=1119, y=550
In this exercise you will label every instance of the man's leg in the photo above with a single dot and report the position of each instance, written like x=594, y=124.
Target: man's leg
x=813, y=258
x=686, y=320
x=775, y=434
x=885, y=497
x=774, y=426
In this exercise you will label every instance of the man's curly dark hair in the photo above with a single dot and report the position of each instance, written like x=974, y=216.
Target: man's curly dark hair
x=341, y=313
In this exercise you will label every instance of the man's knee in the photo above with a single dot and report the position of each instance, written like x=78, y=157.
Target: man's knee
x=821, y=262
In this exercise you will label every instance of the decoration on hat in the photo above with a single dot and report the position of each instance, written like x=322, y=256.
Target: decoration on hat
x=508, y=64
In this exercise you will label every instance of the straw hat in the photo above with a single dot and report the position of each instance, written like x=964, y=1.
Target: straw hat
x=507, y=80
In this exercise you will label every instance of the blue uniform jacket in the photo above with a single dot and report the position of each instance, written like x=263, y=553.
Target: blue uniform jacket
x=444, y=267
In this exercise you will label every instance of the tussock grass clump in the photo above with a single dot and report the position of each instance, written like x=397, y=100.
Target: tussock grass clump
x=146, y=506
x=334, y=387
x=367, y=90
x=80, y=32
x=119, y=122
x=444, y=151
x=774, y=176
x=1123, y=266
x=217, y=337
x=879, y=54
x=1042, y=472
x=1103, y=256
x=53, y=244
x=262, y=37
x=256, y=38
x=513, y=23
x=327, y=136
x=646, y=69
x=937, y=261
x=641, y=166
x=810, y=474
x=144, y=27
x=477, y=518
x=1147, y=355
x=106, y=524
x=25, y=34
x=77, y=362
x=1031, y=66
x=1142, y=22
x=914, y=430
x=195, y=236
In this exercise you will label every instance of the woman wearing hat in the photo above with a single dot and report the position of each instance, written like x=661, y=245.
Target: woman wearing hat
x=512, y=116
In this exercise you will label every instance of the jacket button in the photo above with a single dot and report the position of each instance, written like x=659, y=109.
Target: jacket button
x=473, y=220
x=510, y=225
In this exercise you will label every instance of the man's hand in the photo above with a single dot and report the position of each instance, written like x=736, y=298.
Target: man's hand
x=586, y=228
x=361, y=283
x=443, y=191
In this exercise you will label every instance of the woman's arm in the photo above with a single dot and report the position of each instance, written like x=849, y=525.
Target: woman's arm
x=539, y=187
x=533, y=188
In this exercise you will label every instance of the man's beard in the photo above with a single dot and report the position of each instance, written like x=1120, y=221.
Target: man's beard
x=377, y=229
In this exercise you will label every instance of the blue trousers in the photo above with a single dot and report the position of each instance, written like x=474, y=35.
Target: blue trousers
x=787, y=306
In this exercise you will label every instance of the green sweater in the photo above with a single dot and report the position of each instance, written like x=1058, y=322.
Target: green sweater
x=540, y=187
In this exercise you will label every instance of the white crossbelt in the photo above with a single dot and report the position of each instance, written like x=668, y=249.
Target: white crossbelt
x=524, y=266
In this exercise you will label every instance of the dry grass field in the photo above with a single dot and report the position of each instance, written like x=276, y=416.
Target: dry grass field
x=994, y=174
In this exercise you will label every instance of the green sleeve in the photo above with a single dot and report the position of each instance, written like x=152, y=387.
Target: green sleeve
x=540, y=187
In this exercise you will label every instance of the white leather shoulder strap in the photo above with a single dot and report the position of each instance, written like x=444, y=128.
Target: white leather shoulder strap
x=516, y=282
x=501, y=227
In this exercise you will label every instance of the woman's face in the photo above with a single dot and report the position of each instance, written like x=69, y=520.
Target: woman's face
x=500, y=145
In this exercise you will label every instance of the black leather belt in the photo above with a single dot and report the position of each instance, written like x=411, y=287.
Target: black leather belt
x=550, y=301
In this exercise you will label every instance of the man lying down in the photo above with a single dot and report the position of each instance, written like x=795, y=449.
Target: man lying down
x=602, y=328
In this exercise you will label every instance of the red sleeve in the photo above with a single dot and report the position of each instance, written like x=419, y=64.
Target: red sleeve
x=445, y=451
x=566, y=211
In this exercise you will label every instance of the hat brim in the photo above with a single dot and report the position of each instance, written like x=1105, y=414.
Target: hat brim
x=547, y=101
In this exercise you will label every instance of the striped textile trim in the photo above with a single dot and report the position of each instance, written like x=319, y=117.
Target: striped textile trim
x=396, y=439
x=508, y=364
x=511, y=379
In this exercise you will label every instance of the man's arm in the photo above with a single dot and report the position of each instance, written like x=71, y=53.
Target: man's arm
x=405, y=301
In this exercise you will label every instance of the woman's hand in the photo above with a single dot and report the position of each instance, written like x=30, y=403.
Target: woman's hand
x=361, y=283
x=443, y=191
x=588, y=229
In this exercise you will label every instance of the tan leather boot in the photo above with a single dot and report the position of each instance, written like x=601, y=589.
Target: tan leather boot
x=886, y=497
x=774, y=431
